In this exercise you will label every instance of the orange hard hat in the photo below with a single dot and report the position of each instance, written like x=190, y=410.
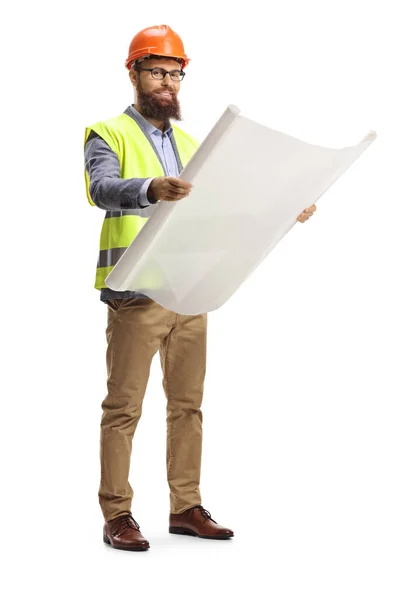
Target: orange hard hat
x=160, y=40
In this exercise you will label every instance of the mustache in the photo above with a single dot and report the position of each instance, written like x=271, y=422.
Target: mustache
x=165, y=89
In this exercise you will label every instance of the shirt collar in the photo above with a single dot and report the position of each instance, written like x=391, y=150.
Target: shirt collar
x=150, y=128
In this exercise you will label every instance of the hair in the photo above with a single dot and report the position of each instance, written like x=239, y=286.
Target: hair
x=156, y=57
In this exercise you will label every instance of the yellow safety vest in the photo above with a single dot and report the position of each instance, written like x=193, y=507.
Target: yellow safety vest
x=137, y=159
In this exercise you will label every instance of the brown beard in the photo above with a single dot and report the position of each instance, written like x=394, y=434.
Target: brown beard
x=155, y=107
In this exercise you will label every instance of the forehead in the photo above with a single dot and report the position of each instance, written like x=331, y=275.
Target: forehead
x=164, y=63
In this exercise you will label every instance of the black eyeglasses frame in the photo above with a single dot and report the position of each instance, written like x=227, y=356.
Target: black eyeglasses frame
x=181, y=73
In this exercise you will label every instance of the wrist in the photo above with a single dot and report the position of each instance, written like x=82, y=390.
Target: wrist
x=151, y=194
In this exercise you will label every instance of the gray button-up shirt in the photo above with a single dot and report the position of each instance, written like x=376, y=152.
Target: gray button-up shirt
x=113, y=194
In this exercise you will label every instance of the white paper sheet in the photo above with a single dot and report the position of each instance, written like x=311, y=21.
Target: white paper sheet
x=193, y=254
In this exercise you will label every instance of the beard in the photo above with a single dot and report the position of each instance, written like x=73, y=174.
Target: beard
x=154, y=106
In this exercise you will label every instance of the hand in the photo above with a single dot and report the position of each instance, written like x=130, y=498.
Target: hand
x=168, y=188
x=306, y=214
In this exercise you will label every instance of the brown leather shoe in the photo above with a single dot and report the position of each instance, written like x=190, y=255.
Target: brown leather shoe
x=123, y=533
x=197, y=521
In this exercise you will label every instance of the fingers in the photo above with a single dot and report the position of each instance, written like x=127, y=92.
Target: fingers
x=310, y=209
x=307, y=213
x=179, y=182
x=172, y=193
x=173, y=197
x=176, y=189
x=178, y=185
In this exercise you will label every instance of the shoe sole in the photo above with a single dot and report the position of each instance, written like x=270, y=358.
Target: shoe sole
x=134, y=549
x=183, y=531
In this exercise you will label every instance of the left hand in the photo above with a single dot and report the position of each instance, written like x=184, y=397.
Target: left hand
x=307, y=213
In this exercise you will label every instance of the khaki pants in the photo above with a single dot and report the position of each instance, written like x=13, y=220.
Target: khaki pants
x=136, y=329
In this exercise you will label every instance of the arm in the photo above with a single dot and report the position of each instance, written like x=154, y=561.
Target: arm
x=107, y=189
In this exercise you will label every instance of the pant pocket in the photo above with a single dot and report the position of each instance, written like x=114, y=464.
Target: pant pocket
x=114, y=303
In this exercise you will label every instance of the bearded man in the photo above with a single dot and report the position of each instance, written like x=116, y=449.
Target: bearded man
x=132, y=162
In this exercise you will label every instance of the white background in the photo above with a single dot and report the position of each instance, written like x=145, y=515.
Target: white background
x=301, y=404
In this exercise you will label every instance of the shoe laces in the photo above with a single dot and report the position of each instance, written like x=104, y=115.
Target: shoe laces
x=203, y=512
x=123, y=523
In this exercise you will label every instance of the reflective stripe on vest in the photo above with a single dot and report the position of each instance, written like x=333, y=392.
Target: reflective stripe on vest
x=138, y=158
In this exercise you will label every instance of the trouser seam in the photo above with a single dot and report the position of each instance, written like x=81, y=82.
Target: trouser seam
x=171, y=431
x=110, y=386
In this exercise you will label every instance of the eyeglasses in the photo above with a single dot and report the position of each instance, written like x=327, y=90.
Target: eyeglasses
x=159, y=73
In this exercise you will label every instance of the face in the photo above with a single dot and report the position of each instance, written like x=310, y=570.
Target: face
x=157, y=98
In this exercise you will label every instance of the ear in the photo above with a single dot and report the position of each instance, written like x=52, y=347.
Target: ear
x=133, y=76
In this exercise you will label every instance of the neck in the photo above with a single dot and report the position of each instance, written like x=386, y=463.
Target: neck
x=159, y=124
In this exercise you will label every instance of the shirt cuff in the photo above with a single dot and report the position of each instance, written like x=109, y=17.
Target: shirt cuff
x=143, y=199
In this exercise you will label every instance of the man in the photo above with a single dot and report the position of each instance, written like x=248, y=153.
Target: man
x=132, y=162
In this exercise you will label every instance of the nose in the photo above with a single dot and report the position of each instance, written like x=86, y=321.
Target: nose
x=165, y=81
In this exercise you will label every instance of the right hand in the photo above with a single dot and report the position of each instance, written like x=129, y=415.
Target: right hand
x=168, y=188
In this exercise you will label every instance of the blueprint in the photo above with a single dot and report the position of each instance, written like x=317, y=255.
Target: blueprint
x=193, y=254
